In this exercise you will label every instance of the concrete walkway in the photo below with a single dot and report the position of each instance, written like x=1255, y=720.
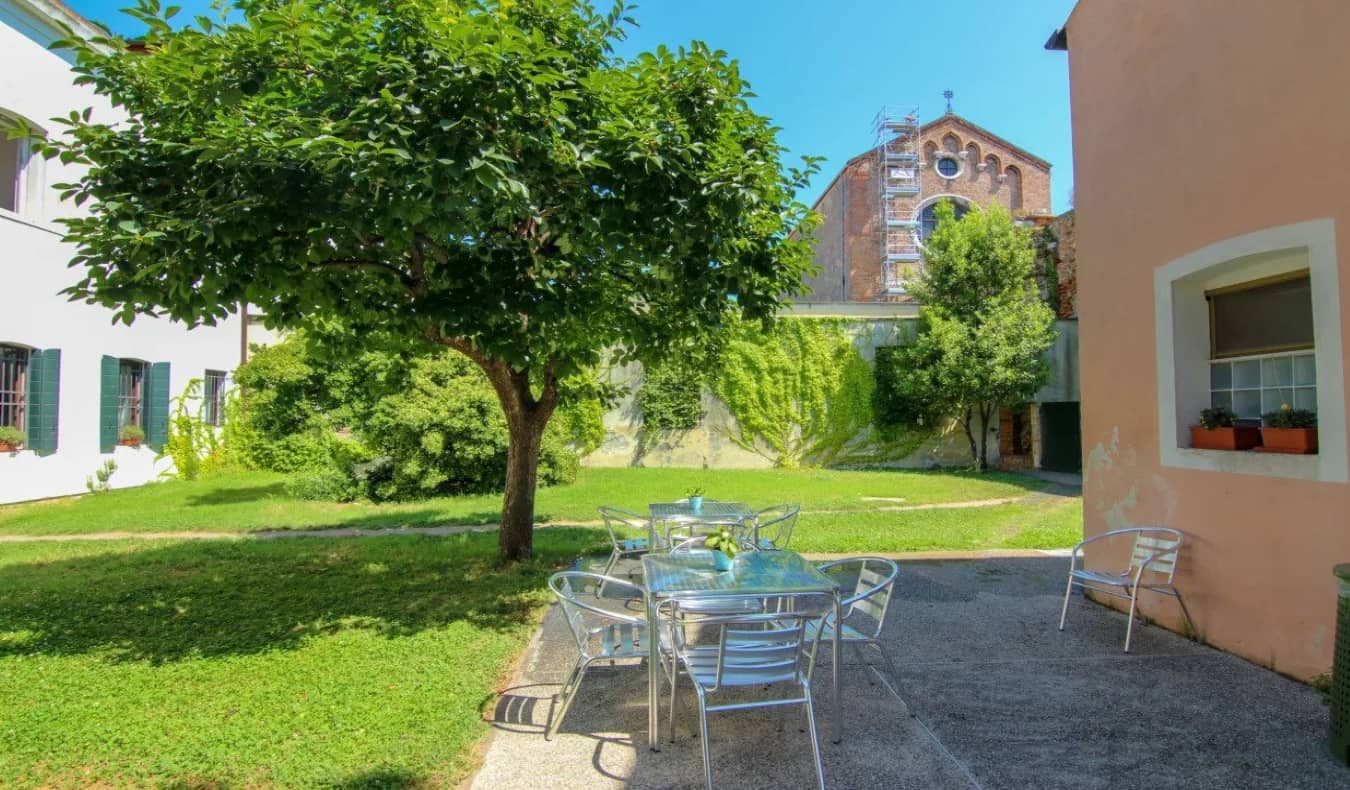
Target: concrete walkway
x=1002, y=700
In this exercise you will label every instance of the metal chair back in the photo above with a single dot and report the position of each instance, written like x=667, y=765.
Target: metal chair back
x=1155, y=550
x=872, y=593
x=748, y=647
x=616, y=517
x=774, y=525
x=679, y=529
x=599, y=630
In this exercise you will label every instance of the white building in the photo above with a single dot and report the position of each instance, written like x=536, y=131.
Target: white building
x=70, y=379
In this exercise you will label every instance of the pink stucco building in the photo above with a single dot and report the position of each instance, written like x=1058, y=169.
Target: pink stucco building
x=1210, y=153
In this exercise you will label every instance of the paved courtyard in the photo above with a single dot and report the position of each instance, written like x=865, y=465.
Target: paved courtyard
x=1000, y=698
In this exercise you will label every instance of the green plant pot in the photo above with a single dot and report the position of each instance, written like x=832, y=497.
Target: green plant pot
x=721, y=561
x=696, y=504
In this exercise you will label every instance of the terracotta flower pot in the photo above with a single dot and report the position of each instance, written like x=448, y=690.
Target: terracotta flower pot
x=1237, y=437
x=1299, y=441
x=129, y=442
x=6, y=447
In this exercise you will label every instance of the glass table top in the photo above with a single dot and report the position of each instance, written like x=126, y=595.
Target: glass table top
x=666, y=510
x=753, y=573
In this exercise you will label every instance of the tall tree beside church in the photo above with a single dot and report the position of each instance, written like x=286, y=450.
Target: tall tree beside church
x=983, y=329
x=483, y=175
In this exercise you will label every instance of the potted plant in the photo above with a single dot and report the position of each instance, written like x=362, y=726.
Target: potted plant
x=1218, y=430
x=130, y=436
x=1289, y=431
x=724, y=548
x=11, y=438
x=695, y=497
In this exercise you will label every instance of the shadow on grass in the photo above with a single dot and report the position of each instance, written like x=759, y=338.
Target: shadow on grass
x=381, y=779
x=424, y=517
x=205, y=599
x=236, y=496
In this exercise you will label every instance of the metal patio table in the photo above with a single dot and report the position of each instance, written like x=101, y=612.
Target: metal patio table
x=756, y=573
x=712, y=511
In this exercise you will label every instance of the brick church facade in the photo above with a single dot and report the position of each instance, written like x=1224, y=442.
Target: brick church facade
x=878, y=192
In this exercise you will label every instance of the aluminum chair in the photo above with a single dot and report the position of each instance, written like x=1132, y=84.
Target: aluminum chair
x=621, y=546
x=773, y=526
x=764, y=653
x=865, y=612
x=1155, y=552
x=601, y=634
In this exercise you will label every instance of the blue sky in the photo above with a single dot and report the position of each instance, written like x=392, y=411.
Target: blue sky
x=823, y=68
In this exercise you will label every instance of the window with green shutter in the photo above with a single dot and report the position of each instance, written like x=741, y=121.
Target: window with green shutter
x=44, y=399
x=109, y=399
x=156, y=423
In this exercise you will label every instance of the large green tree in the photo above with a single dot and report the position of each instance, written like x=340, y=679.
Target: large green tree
x=983, y=329
x=486, y=175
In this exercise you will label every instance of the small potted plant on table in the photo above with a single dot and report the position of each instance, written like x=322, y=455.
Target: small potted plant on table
x=130, y=436
x=724, y=548
x=1218, y=430
x=11, y=438
x=695, y=497
x=1289, y=431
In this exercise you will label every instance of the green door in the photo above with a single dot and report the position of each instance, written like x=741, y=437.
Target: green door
x=1061, y=438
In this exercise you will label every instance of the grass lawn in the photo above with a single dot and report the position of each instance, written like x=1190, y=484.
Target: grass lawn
x=310, y=663
x=352, y=663
x=251, y=501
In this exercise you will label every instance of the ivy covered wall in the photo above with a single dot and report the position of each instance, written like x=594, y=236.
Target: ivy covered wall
x=800, y=395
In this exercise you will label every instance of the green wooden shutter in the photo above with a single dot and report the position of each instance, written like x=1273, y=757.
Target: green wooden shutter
x=44, y=397
x=157, y=405
x=110, y=385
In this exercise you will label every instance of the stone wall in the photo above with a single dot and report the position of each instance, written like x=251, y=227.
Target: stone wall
x=708, y=445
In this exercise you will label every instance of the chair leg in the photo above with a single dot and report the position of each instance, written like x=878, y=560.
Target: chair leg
x=674, y=700
x=609, y=567
x=1195, y=634
x=1129, y=628
x=895, y=675
x=703, y=736
x=1064, y=612
x=815, y=739
x=565, y=697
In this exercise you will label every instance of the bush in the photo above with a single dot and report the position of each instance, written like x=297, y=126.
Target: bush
x=445, y=434
x=327, y=485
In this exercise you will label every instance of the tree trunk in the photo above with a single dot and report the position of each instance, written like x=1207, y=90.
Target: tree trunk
x=526, y=419
x=515, y=539
x=985, y=414
x=970, y=437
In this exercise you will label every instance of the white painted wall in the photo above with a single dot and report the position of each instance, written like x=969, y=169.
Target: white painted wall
x=36, y=84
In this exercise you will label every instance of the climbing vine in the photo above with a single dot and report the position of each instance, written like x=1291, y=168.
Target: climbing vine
x=802, y=394
x=1046, y=242
x=671, y=395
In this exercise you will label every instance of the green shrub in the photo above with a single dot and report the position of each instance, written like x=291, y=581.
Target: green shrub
x=326, y=485
x=445, y=433
x=11, y=435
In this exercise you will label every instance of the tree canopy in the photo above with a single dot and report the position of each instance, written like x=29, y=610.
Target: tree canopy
x=983, y=329
x=481, y=174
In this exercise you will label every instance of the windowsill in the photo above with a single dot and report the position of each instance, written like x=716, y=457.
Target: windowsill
x=1248, y=462
x=37, y=224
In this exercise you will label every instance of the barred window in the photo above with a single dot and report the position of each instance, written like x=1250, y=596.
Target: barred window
x=213, y=398
x=13, y=386
x=131, y=393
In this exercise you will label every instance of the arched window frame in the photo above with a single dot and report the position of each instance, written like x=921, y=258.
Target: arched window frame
x=921, y=234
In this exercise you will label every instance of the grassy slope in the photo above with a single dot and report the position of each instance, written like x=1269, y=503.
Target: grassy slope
x=255, y=501
x=288, y=663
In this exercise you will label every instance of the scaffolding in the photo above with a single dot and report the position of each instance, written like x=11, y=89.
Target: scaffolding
x=898, y=146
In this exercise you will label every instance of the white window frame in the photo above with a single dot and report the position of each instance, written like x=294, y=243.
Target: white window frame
x=1263, y=387
x=28, y=174
x=1181, y=323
